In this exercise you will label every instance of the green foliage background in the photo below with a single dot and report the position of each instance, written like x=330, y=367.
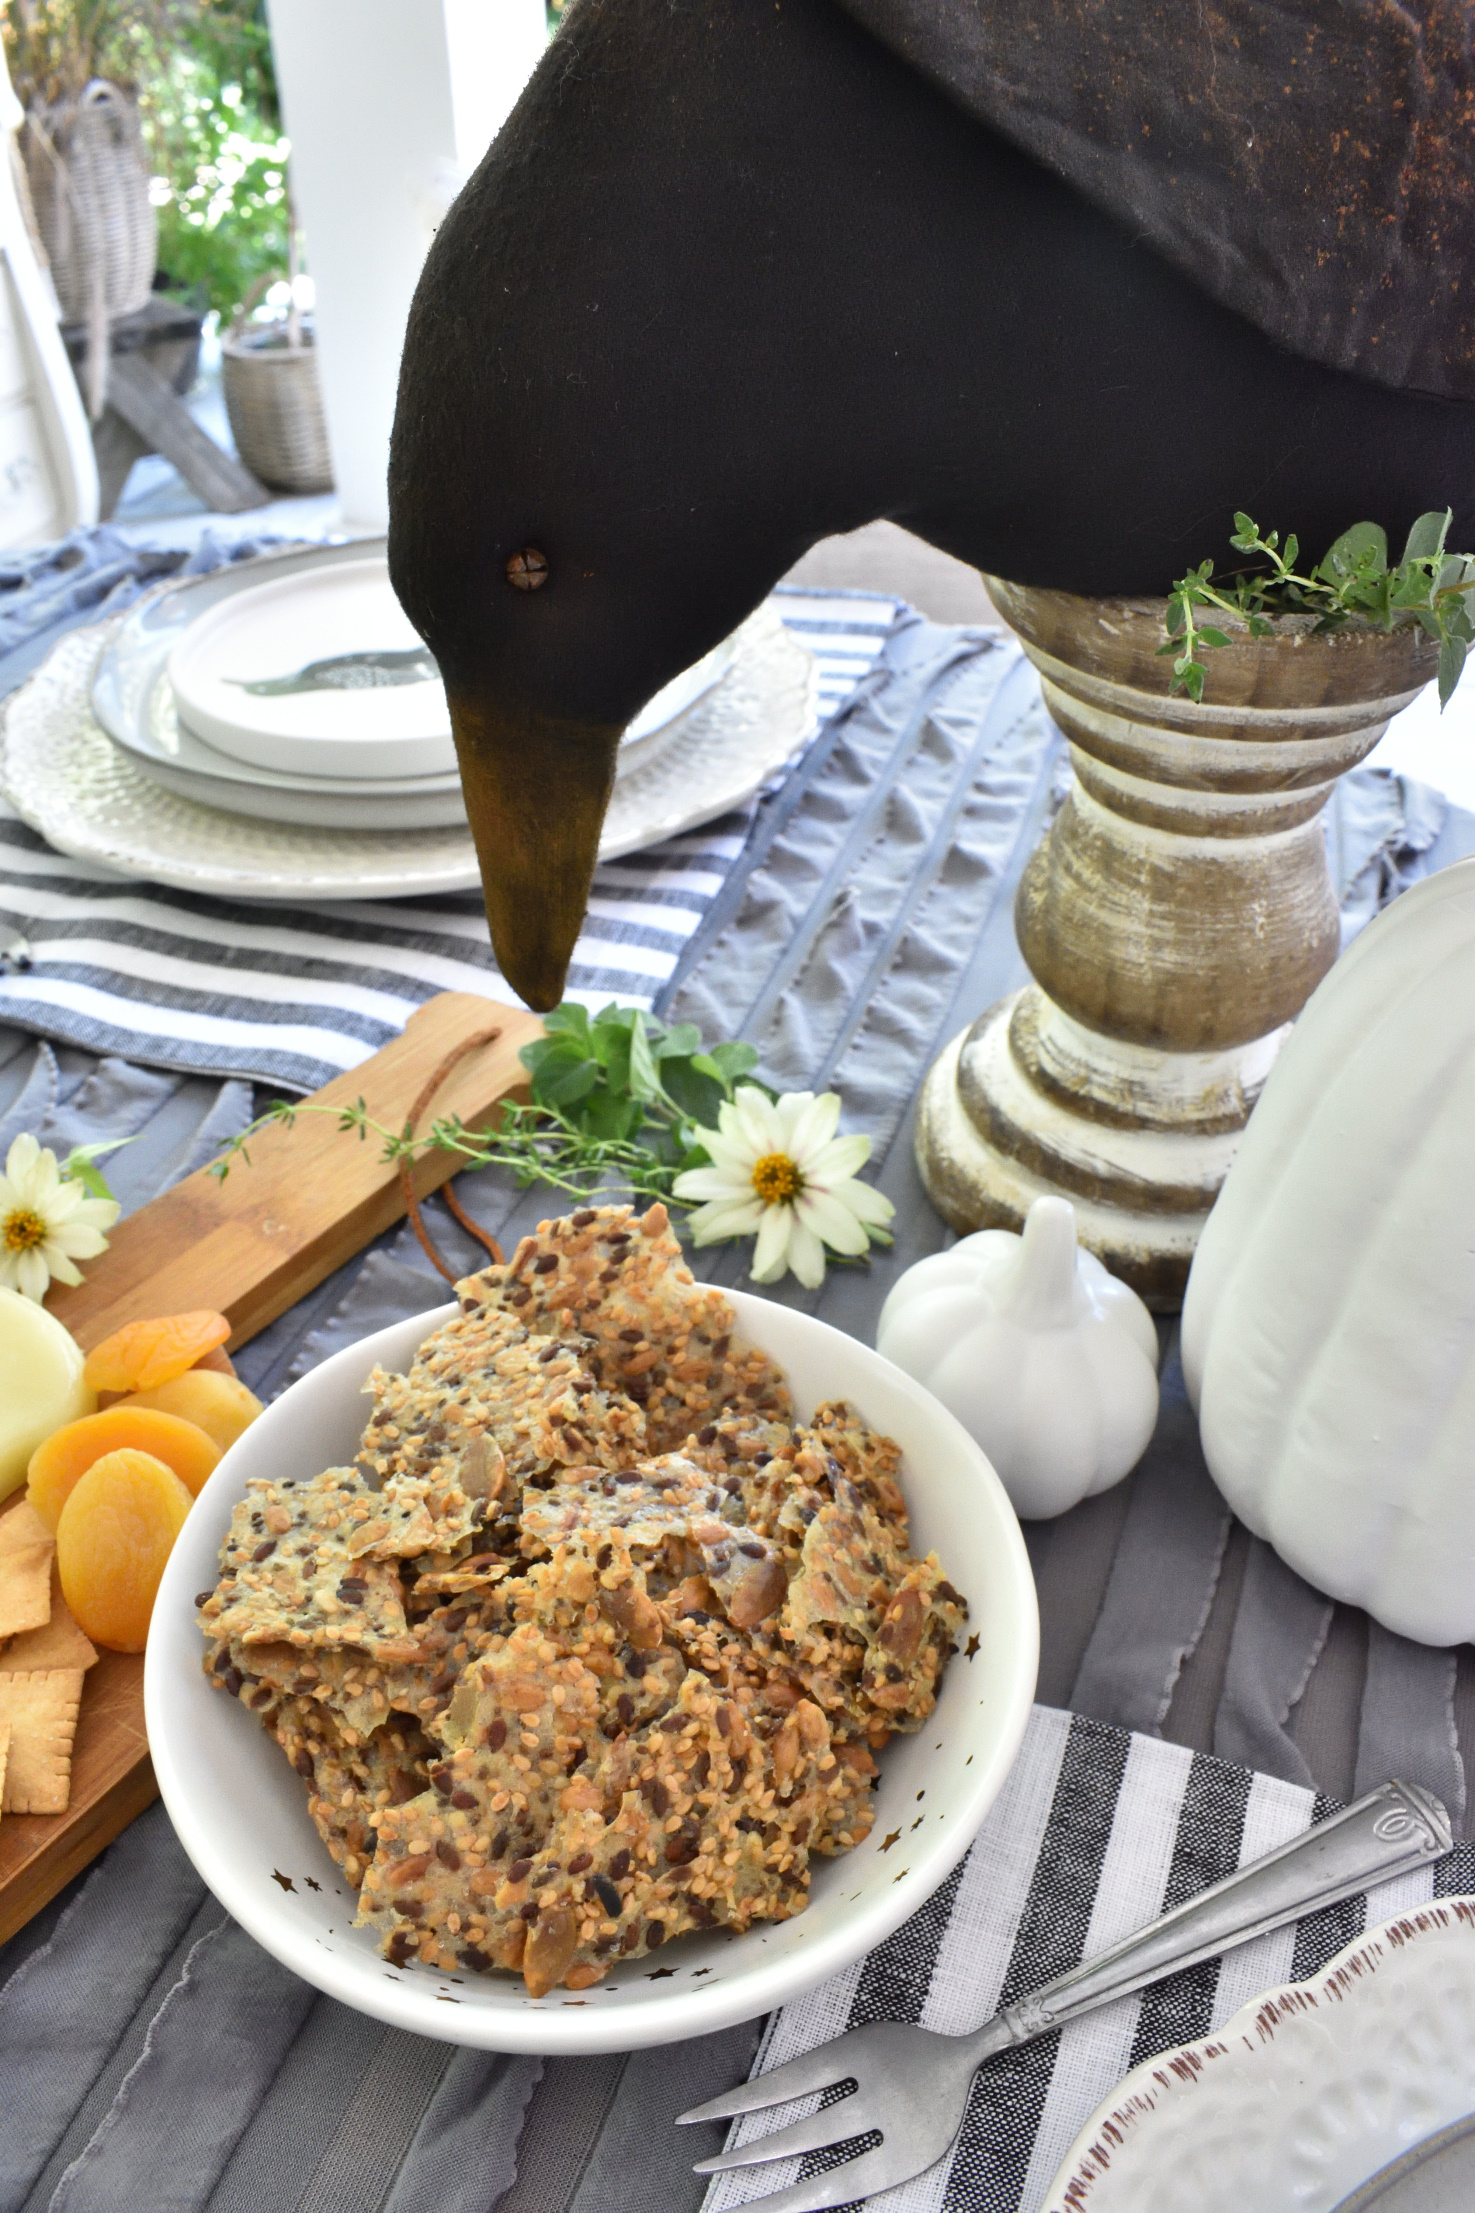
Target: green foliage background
x=202, y=71
x=216, y=138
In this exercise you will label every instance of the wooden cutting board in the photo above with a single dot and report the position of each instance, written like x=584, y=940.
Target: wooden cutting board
x=250, y=1247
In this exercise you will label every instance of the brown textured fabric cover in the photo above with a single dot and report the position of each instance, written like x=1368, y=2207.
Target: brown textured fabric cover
x=1310, y=162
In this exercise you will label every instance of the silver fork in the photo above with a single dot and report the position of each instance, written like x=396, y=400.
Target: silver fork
x=911, y=2085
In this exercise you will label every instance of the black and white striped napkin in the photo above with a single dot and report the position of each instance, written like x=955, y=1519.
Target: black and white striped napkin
x=1096, y=1832
x=294, y=995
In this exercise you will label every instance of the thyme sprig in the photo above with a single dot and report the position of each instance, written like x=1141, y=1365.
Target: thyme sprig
x=618, y=1103
x=1427, y=585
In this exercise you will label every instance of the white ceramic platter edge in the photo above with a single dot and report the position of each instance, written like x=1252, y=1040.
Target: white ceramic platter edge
x=241, y=1813
x=1306, y=2093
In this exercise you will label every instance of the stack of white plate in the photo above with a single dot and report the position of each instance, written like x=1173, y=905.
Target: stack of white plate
x=294, y=690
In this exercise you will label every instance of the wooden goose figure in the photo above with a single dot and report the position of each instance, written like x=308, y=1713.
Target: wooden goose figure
x=735, y=276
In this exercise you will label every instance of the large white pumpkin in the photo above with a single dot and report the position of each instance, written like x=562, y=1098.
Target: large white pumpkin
x=1329, y=1326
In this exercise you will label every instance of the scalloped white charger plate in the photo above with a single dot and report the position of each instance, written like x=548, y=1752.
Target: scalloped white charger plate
x=241, y=1812
x=1307, y=2093
x=88, y=797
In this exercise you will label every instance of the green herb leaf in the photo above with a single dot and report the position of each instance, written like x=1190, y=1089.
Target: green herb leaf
x=1212, y=637
x=571, y=1019
x=735, y=1059
x=562, y=1081
x=1451, y=666
x=696, y=1091
x=1360, y=551
x=80, y=1166
x=1425, y=541
x=645, y=1082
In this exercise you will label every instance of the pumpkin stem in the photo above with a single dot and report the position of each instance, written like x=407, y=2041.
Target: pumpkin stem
x=1042, y=1291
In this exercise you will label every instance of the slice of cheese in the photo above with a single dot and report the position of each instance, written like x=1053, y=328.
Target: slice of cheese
x=40, y=1383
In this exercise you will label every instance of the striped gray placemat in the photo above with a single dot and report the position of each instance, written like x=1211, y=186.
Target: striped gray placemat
x=294, y=995
x=1095, y=1833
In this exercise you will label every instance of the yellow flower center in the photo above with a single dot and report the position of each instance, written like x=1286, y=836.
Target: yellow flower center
x=24, y=1230
x=776, y=1179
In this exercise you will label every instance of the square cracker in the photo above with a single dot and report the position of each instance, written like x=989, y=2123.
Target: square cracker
x=59, y=1643
x=27, y=1549
x=301, y=1584
x=4, y=1756
x=42, y=1713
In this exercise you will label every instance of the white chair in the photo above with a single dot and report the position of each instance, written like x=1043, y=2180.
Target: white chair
x=48, y=473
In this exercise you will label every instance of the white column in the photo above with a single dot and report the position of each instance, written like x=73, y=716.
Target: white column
x=389, y=105
x=493, y=48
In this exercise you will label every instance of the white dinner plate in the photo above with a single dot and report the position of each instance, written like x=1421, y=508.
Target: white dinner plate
x=1306, y=2093
x=92, y=798
x=320, y=672
x=241, y=1812
x=134, y=701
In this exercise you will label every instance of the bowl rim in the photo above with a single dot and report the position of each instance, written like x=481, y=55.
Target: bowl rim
x=744, y=1991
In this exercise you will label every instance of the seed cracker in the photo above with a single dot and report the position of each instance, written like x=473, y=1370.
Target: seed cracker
x=487, y=1409
x=646, y=1504
x=291, y=1576
x=58, y=1644
x=350, y=1779
x=658, y=1336
x=41, y=1710
x=27, y=1549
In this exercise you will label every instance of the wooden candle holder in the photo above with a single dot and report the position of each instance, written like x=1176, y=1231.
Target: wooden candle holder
x=1175, y=919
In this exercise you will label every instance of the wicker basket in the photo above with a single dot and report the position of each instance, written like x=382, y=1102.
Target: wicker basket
x=89, y=188
x=275, y=405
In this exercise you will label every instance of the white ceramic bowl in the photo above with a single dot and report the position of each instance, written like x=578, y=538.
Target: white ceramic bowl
x=241, y=1812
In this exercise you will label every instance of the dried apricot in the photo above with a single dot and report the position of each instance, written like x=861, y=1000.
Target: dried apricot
x=141, y=1355
x=66, y=1455
x=218, y=1358
x=221, y=1405
x=116, y=1532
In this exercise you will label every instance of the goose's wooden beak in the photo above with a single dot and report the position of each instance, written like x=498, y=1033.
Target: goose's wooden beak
x=536, y=791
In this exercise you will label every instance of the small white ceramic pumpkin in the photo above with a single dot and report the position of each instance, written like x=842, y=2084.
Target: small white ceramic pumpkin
x=1046, y=1359
x=1329, y=1326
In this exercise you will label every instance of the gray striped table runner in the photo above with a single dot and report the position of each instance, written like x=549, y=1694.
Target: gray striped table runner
x=293, y=996
x=1095, y=1833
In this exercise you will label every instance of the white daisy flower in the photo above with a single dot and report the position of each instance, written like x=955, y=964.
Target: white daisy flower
x=780, y=1174
x=48, y=1222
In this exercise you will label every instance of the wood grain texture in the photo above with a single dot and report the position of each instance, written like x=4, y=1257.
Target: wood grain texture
x=150, y=406
x=249, y=1246
x=253, y=1244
